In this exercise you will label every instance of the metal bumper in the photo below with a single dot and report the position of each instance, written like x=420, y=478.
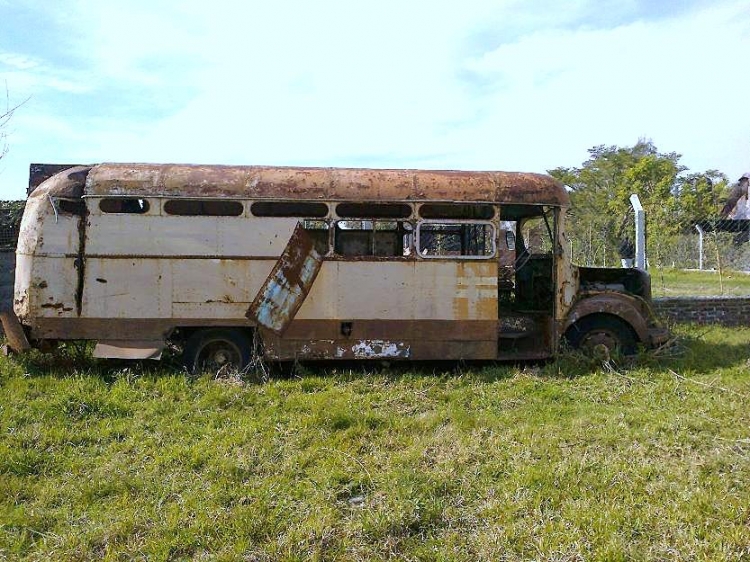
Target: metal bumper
x=658, y=336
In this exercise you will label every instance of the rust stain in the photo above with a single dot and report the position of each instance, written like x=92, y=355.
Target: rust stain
x=225, y=299
x=68, y=184
x=337, y=184
x=288, y=284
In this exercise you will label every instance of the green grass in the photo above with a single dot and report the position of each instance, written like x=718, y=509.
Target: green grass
x=679, y=282
x=564, y=461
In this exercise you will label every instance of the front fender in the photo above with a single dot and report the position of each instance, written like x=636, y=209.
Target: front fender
x=633, y=310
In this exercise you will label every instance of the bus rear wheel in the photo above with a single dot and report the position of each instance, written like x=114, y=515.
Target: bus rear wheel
x=217, y=350
x=601, y=336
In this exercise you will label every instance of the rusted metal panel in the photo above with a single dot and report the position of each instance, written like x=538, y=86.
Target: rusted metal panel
x=336, y=184
x=395, y=329
x=123, y=329
x=72, y=181
x=188, y=236
x=44, y=230
x=388, y=349
x=127, y=288
x=211, y=282
x=288, y=284
x=129, y=349
x=45, y=287
x=632, y=310
x=47, y=277
x=404, y=290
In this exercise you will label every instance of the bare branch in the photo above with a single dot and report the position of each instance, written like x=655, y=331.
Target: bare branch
x=5, y=118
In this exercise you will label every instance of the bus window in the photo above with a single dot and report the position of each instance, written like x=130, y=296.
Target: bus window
x=537, y=235
x=456, y=211
x=289, y=209
x=373, y=211
x=126, y=205
x=461, y=240
x=203, y=208
x=318, y=231
x=70, y=206
x=372, y=238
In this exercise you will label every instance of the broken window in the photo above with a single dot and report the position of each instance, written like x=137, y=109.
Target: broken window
x=456, y=211
x=373, y=210
x=318, y=231
x=289, y=209
x=129, y=205
x=206, y=208
x=536, y=233
x=372, y=238
x=70, y=206
x=456, y=239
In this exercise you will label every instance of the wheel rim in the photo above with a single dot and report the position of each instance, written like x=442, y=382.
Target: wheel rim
x=217, y=354
x=601, y=340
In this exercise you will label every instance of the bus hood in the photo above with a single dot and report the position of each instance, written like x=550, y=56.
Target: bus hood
x=623, y=280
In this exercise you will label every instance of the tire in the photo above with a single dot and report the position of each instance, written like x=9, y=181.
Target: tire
x=217, y=349
x=592, y=332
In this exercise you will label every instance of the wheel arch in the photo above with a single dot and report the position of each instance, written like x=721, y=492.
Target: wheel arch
x=181, y=333
x=625, y=308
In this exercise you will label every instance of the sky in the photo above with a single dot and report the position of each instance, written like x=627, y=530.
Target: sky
x=476, y=85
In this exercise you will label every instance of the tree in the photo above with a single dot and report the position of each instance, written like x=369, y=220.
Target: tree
x=600, y=199
x=5, y=118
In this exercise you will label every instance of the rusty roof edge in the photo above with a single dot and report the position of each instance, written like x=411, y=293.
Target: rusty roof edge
x=311, y=183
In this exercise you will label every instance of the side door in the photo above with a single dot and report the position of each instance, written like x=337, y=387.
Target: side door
x=287, y=286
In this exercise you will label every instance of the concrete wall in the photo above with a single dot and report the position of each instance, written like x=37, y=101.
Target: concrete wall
x=727, y=311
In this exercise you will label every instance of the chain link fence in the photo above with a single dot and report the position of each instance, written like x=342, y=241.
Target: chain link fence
x=711, y=260
x=10, y=222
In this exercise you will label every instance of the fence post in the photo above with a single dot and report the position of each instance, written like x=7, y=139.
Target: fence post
x=640, y=232
x=700, y=246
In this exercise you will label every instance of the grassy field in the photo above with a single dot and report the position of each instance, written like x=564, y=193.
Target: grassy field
x=680, y=282
x=563, y=461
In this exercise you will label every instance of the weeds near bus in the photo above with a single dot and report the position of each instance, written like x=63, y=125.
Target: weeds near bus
x=562, y=461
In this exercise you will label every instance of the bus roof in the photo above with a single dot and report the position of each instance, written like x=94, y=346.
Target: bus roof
x=336, y=184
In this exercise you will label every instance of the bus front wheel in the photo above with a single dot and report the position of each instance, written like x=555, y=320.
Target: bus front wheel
x=217, y=350
x=601, y=335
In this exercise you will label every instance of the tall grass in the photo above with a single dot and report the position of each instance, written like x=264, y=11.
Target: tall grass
x=562, y=461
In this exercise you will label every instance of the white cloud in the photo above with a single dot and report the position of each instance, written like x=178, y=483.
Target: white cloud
x=480, y=85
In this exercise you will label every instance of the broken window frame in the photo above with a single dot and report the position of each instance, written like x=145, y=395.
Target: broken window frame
x=545, y=242
x=322, y=244
x=487, y=256
x=404, y=230
x=68, y=206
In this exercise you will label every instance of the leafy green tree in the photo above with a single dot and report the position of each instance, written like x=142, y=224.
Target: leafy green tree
x=601, y=213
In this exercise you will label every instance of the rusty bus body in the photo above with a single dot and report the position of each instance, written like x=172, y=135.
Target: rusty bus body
x=315, y=263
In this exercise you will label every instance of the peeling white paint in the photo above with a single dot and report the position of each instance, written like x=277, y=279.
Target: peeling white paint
x=376, y=349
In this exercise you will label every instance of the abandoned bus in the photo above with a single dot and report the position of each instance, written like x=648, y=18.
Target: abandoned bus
x=313, y=263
